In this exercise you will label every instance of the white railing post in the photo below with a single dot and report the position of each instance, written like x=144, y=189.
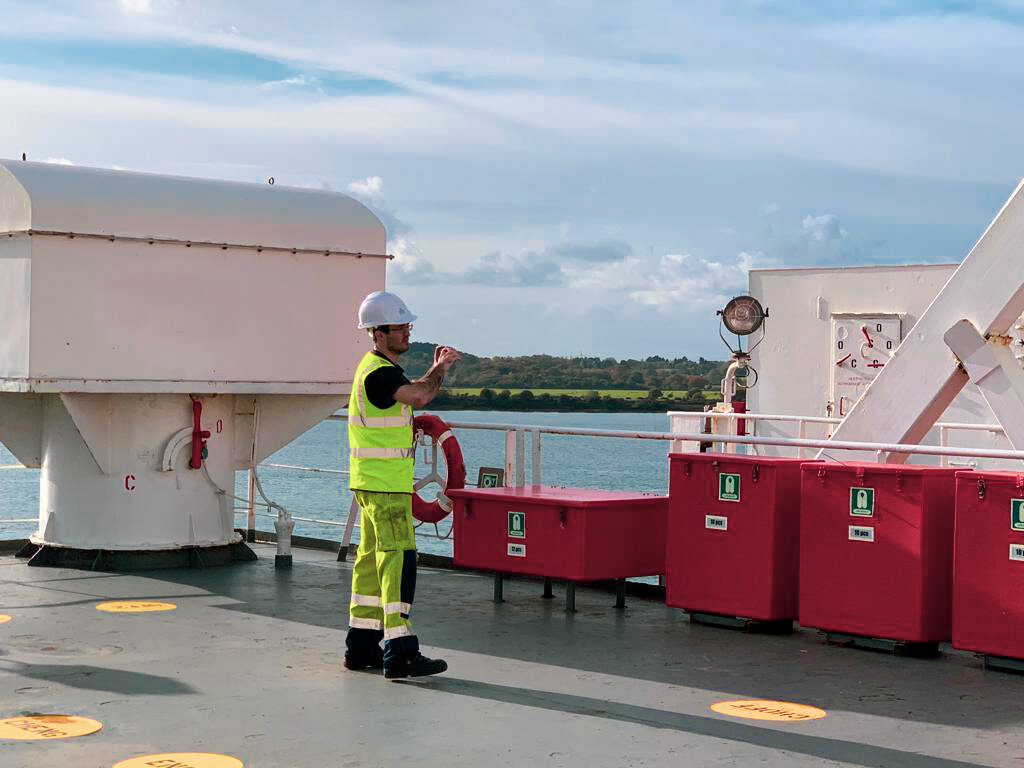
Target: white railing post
x=346, y=538
x=250, y=518
x=535, y=451
x=520, y=458
x=801, y=433
x=510, y=457
x=944, y=442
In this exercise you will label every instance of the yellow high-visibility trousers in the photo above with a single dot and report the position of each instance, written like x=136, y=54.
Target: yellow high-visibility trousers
x=383, y=576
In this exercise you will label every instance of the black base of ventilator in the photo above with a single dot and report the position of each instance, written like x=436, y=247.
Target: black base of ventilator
x=282, y=561
x=136, y=560
x=764, y=626
x=1003, y=664
x=884, y=644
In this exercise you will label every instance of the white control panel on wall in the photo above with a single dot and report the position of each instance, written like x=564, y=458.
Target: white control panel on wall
x=861, y=346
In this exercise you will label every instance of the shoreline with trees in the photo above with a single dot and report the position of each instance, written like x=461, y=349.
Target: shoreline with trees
x=569, y=384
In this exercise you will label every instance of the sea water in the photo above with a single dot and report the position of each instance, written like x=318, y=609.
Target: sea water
x=583, y=462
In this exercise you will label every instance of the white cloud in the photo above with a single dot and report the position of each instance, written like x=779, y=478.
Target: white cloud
x=136, y=6
x=299, y=81
x=370, y=188
x=823, y=228
x=686, y=280
x=58, y=161
x=409, y=266
x=522, y=270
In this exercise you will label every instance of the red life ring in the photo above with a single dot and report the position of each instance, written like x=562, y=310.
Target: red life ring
x=434, y=511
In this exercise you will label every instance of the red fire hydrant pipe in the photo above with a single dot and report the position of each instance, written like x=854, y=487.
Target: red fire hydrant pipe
x=198, y=436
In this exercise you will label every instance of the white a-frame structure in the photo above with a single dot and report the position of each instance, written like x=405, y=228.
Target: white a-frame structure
x=961, y=337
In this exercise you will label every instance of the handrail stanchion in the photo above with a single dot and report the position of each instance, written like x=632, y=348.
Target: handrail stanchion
x=250, y=519
x=346, y=538
x=535, y=450
x=944, y=442
x=510, y=457
x=520, y=458
x=801, y=433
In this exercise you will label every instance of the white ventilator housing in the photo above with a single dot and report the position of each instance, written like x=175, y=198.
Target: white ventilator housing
x=123, y=296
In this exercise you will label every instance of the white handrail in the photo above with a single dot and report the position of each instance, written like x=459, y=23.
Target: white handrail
x=308, y=469
x=733, y=416
x=700, y=437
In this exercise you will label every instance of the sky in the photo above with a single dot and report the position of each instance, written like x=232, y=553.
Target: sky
x=556, y=177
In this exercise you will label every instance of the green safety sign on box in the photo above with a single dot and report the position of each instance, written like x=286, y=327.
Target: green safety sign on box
x=862, y=502
x=728, y=487
x=1017, y=514
x=517, y=525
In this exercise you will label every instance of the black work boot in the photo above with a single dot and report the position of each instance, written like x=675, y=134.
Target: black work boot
x=362, y=649
x=370, y=660
x=416, y=665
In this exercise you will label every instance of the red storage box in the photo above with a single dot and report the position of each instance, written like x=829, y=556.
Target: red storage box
x=988, y=574
x=573, y=534
x=733, y=535
x=876, y=550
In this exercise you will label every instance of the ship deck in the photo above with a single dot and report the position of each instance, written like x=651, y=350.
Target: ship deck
x=250, y=665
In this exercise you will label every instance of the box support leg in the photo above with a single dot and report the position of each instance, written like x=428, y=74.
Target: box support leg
x=620, y=593
x=570, y=597
x=548, y=594
x=498, y=598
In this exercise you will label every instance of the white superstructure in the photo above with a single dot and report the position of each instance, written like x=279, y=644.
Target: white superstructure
x=804, y=372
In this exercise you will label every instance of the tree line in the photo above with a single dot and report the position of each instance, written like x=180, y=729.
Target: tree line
x=527, y=400
x=497, y=376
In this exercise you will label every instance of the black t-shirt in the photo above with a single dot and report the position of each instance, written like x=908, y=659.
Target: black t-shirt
x=383, y=382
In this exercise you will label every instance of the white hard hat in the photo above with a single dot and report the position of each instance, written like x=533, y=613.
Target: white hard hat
x=383, y=308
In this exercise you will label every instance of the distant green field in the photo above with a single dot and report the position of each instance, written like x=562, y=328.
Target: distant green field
x=625, y=394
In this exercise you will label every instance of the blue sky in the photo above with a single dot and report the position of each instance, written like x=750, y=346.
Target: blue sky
x=570, y=178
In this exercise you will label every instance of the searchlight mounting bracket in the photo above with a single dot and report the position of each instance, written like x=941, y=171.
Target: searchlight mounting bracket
x=742, y=316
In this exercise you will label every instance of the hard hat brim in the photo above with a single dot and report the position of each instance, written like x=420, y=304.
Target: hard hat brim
x=412, y=319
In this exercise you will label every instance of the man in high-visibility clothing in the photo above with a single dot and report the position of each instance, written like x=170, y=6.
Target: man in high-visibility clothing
x=381, y=459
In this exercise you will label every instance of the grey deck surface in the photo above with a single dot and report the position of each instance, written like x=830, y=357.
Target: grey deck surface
x=250, y=665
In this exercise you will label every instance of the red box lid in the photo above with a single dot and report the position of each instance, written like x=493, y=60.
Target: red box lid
x=878, y=469
x=740, y=458
x=553, y=494
x=990, y=475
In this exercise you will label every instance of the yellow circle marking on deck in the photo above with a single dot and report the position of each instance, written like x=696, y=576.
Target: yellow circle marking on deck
x=182, y=760
x=135, y=606
x=760, y=709
x=46, y=727
x=4, y=618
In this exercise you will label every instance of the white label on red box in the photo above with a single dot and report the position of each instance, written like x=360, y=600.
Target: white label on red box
x=517, y=550
x=1017, y=552
x=716, y=523
x=862, y=533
